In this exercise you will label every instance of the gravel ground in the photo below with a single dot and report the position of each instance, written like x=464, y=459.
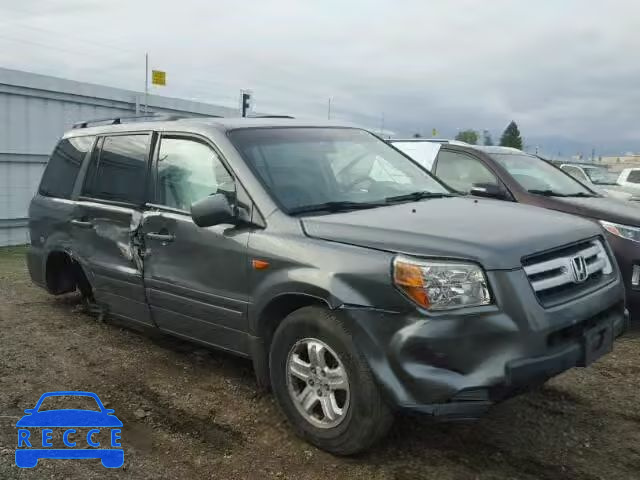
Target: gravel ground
x=194, y=413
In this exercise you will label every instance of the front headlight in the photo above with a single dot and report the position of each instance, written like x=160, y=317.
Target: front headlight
x=624, y=231
x=441, y=285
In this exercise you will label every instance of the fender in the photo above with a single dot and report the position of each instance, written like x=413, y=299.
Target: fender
x=306, y=281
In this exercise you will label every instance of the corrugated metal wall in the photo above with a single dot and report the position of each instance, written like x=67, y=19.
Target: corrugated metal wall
x=35, y=110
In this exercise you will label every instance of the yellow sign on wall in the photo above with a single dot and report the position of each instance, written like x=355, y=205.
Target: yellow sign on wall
x=158, y=77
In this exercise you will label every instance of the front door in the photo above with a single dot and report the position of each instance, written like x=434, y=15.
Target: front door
x=196, y=278
x=106, y=221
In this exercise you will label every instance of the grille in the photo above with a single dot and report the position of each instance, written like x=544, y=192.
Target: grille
x=568, y=272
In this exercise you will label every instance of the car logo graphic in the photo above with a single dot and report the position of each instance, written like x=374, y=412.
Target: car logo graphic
x=73, y=423
x=579, y=268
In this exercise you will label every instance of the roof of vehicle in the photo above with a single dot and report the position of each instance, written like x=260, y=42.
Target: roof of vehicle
x=218, y=123
x=498, y=149
x=583, y=165
x=430, y=140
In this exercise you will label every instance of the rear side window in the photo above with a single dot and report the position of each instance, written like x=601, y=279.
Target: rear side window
x=634, y=176
x=575, y=172
x=61, y=172
x=118, y=171
x=422, y=152
x=462, y=172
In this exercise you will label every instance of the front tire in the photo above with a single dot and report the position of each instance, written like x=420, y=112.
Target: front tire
x=324, y=386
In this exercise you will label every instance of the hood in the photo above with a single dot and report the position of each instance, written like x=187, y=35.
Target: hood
x=599, y=208
x=69, y=418
x=493, y=233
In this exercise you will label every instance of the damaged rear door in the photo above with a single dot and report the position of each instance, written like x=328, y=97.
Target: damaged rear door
x=107, y=220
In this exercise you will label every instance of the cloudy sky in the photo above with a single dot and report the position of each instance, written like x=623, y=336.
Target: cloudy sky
x=566, y=71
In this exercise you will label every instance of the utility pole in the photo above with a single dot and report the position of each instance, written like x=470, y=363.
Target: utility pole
x=146, y=83
x=382, y=125
x=329, y=109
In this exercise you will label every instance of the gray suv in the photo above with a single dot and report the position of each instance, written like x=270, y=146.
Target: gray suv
x=357, y=283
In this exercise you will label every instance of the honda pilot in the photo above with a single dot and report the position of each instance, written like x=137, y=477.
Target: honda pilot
x=358, y=284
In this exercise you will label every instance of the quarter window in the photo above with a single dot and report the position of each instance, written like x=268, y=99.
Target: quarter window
x=121, y=170
x=65, y=162
x=188, y=171
x=461, y=171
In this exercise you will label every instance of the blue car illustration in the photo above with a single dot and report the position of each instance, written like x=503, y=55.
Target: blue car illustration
x=31, y=448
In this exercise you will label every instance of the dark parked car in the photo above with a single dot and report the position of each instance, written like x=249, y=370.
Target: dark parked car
x=357, y=283
x=510, y=174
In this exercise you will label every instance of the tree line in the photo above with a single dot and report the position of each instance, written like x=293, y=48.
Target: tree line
x=510, y=137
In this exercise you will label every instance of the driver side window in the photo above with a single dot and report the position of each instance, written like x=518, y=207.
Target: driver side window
x=188, y=171
x=461, y=171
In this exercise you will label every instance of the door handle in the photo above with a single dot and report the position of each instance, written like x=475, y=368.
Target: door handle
x=81, y=223
x=163, y=237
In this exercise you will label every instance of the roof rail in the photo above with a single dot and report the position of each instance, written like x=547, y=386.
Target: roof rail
x=131, y=119
x=270, y=116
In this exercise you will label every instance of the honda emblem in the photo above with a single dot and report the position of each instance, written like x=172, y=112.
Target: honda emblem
x=579, y=268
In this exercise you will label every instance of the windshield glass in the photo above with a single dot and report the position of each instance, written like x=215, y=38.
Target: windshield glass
x=601, y=176
x=535, y=174
x=306, y=167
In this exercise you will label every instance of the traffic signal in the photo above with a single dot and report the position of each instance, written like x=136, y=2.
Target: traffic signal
x=245, y=102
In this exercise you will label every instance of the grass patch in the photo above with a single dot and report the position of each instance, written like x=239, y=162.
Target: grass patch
x=13, y=252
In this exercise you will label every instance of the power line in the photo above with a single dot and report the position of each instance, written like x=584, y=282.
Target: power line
x=73, y=38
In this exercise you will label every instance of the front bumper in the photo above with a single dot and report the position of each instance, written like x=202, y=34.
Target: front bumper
x=455, y=366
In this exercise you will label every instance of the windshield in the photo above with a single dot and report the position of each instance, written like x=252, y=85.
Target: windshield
x=307, y=167
x=64, y=402
x=538, y=176
x=601, y=176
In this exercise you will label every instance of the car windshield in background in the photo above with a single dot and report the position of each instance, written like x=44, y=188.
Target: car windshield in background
x=601, y=176
x=332, y=169
x=537, y=176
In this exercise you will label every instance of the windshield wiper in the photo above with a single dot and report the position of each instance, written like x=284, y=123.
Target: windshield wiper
x=415, y=196
x=335, y=207
x=547, y=193
x=580, y=194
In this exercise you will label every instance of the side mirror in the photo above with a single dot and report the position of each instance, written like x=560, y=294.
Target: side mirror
x=29, y=411
x=488, y=190
x=212, y=210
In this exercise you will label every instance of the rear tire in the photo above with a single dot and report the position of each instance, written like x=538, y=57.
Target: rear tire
x=334, y=404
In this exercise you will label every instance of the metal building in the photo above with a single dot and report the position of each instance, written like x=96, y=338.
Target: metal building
x=35, y=110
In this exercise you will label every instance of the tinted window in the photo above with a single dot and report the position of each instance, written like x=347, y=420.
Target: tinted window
x=121, y=170
x=64, y=165
x=305, y=167
x=537, y=175
x=601, y=176
x=461, y=171
x=634, y=176
x=188, y=171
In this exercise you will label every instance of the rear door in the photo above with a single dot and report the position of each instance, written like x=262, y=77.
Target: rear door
x=109, y=212
x=196, y=278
